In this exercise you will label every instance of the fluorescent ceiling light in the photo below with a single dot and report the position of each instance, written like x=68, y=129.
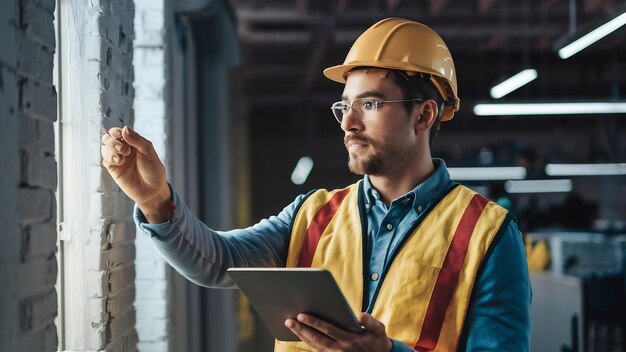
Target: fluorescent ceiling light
x=512, y=83
x=538, y=186
x=487, y=173
x=550, y=108
x=585, y=169
x=592, y=37
x=301, y=171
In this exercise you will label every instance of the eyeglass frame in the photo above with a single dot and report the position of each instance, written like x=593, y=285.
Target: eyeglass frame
x=377, y=104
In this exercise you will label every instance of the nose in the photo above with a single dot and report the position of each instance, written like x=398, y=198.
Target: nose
x=351, y=122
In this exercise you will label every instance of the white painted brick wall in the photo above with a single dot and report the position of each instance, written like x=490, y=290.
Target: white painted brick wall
x=37, y=266
x=118, y=253
x=97, y=54
x=150, y=121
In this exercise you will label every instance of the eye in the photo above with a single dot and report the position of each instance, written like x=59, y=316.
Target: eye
x=370, y=105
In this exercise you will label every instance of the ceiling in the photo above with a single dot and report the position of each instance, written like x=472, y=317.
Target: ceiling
x=286, y=44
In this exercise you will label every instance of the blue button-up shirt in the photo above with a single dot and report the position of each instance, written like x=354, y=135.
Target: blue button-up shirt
x=498, y=314
x=388, y=225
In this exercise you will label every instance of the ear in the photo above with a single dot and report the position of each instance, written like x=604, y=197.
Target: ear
x=426, y=115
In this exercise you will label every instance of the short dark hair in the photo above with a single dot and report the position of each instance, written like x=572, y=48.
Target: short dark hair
x=419, y=86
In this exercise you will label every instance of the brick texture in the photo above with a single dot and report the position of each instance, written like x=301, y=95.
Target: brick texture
x=117, y=255
x=102, y=281
x=37, y=265
x=102, y=64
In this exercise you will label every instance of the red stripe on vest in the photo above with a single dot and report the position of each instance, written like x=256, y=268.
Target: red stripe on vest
x=315, y=230
x=449, y=275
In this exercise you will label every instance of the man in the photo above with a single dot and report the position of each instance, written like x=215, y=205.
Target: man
x=430, y=264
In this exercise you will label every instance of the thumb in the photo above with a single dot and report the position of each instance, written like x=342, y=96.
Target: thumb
x=364, y=319
x=369, y=323
x=136, y=140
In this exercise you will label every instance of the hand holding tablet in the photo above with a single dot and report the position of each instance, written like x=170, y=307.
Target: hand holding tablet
x=278, y=294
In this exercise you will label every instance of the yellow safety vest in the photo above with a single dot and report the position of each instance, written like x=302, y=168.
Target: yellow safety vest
x=424, y=293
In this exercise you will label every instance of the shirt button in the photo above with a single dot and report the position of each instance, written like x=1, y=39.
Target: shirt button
x=389, y=226
x=419, y=208
x=367, y=205
x=375, y=276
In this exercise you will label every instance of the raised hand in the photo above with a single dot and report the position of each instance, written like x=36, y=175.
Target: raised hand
x=135, y=166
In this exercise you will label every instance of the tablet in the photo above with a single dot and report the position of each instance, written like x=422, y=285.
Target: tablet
x=281, y=293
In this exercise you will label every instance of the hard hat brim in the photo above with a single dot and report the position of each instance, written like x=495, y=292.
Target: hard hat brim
x=338, y=73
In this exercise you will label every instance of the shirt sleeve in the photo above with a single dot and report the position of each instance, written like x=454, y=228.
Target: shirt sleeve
x=202, y=254
x=498, y=317
x=397, y=346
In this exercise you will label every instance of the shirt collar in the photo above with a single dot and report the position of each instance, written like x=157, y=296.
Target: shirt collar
x=423, y=194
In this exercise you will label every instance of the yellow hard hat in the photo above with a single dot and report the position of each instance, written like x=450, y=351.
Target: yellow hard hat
x=400, y=44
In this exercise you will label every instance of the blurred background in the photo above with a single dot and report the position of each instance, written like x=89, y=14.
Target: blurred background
x=279, y=90
x=231, y=93
x=560, y=171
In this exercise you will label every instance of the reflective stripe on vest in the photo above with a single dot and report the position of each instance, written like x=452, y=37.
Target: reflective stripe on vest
x=315, y=230
x=449, y=275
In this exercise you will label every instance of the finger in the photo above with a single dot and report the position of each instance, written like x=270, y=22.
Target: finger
x=136, y=140
x=371, y=324
x=310, y=336
x=296, y=328
x=116, y=132
x=105, y=138
x=326, y=328
x=116, y=145
x=109, y=156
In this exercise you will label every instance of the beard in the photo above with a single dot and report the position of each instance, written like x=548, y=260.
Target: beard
x=382, y=158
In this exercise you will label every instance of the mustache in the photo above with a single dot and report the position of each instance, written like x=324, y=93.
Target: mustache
x=357, y=138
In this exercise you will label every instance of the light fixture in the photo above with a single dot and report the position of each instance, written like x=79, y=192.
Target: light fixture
x=585, y=169
x=301, y=171
x=578, y=108
x=487, y=173
x=512, y=83
x=538, y=186
x=581, y=43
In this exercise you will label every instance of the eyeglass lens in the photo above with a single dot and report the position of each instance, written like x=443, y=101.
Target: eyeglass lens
x=340, y=109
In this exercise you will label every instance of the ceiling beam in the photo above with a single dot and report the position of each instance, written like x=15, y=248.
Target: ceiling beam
x=448, y=32
x=363, y=17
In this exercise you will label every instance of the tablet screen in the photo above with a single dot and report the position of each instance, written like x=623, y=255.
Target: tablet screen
x=281, y=293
